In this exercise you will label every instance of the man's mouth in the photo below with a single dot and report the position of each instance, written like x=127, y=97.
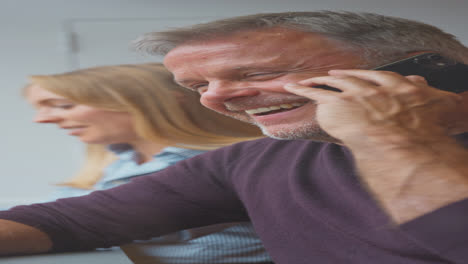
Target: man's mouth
x=274, y=109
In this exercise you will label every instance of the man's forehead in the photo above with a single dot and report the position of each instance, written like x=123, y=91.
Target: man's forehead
x=200, y=48
x=244, y=43
x=222, y=60
x=274, y=49
x=241, y=38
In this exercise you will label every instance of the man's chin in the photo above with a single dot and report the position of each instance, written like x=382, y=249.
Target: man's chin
x=308, y=131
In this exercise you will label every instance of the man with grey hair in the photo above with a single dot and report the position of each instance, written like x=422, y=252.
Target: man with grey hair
x=374, y=173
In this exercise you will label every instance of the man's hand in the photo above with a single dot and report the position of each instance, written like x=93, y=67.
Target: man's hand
x=378, y=107
x=397, y=130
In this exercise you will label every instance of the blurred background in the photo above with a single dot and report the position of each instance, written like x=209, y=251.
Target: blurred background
x=52, y=36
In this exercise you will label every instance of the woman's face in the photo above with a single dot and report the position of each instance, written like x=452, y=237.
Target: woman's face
x=90, y=124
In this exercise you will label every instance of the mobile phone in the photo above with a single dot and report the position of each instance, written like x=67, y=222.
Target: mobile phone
x=440, y=72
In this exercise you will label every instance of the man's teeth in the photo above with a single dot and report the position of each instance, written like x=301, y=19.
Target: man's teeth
x=272, y=108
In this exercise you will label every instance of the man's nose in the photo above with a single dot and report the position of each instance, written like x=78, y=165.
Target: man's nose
x=221, y=91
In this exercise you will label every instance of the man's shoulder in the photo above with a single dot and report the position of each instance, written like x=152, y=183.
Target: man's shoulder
x=266, y=146
x=270, y=142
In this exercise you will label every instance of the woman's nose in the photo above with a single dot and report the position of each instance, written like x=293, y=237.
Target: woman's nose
x=46, y=118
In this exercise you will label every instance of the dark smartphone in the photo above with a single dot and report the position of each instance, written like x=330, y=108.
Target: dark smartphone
x=440, y=72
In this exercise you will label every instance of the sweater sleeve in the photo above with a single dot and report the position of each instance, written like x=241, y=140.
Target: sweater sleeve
x=444, y=231
x=190, y=194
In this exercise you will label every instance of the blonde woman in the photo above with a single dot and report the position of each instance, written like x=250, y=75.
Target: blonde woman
x=135, y=121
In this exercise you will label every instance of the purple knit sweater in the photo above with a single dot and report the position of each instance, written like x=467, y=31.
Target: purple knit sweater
x=303, y=198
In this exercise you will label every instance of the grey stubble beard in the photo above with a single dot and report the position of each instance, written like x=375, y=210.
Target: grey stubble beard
x=309, y=130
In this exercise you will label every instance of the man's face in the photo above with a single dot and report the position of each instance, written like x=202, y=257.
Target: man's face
x=243, y=75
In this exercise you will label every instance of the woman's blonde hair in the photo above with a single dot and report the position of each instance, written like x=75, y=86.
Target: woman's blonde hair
x=162, y=111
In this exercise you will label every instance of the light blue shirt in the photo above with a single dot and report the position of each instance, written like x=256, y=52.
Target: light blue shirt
x=225, y=243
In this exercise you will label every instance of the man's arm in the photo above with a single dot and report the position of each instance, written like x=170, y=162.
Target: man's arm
x=414, y=178
x=16, y=238
x=160, y=203
x=396, y=130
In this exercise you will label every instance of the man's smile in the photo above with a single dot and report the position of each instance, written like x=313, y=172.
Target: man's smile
x=274, y=108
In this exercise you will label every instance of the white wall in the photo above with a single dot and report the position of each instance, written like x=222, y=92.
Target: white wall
x=35, y=156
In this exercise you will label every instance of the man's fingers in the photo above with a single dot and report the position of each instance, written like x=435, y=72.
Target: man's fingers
x=316, y=94
x=343, y=83
x=382, y=78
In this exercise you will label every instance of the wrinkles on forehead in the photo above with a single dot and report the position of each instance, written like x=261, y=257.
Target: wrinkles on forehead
x=265, y=50
x=258, y=39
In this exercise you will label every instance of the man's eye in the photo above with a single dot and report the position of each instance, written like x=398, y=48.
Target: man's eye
x=261, y=74
x=197, y=86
